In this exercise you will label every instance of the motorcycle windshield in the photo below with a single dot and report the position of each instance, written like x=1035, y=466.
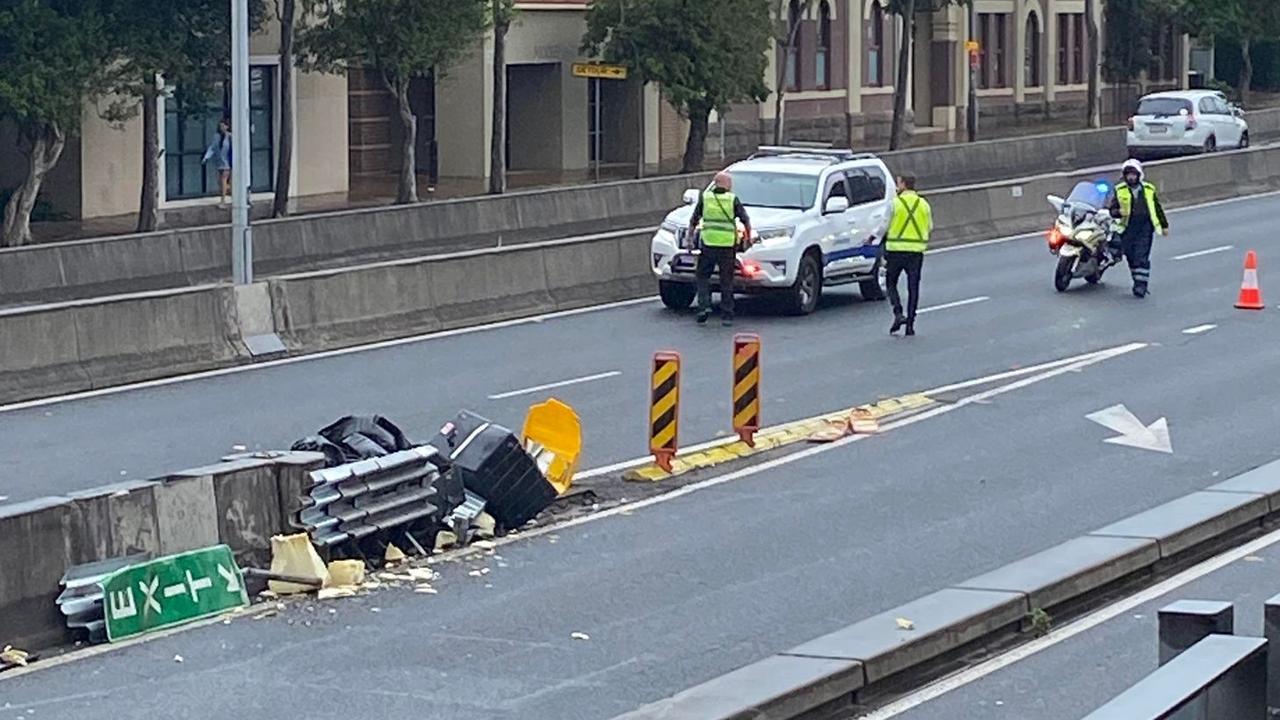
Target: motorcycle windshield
x=1092, y=194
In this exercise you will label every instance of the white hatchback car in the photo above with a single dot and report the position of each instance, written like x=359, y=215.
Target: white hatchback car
x=1192, y=121
x=817, y=219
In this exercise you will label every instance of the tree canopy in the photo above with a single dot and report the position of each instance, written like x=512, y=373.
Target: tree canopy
x=704, y=55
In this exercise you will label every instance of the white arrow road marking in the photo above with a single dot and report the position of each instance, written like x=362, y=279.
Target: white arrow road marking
x=149, y=591
x=196, y=586
x=1133, y=433
x=233, y=582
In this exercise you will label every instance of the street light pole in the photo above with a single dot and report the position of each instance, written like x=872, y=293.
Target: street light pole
x=241, y=238
x=972, y=119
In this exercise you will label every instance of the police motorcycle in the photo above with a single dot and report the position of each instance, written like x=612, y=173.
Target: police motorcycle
x=1082, y=238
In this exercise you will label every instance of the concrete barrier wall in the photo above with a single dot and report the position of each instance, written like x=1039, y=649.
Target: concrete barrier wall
x=175, y=258
x=85, y=344
x=82, y=345
x=241, y=502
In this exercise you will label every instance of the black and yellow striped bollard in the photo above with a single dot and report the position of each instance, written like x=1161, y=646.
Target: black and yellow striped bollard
x=664, y=408
x=746, y=386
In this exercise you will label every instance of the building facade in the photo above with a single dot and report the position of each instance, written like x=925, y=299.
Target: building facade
x=838, y=79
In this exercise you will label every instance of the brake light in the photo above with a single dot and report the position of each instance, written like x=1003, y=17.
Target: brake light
x=750, y=268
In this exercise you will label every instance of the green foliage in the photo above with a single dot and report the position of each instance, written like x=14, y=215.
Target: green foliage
x=53, y=53
x=187, y=42
x=1126, y=50
x=400, y=38
x=1041, y=622
x=705, y=54
x=1239, y=20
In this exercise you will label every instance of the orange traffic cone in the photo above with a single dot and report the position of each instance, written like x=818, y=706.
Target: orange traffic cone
x=1250, y=294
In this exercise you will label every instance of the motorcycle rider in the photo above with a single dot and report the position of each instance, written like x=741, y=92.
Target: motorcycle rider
x=1137, y=207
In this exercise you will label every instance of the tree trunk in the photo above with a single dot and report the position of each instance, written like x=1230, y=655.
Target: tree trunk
x=1246, y=71
x=407, y=189
x=904, y=67
x=284, y=159
x=779, y=107
x=149, y=202
x=498, y=139
x=696, y=146
x=1093, y=107
x=47, y=142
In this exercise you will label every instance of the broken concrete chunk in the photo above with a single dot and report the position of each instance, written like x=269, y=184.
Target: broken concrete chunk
x=294, y=555
x=343, y=573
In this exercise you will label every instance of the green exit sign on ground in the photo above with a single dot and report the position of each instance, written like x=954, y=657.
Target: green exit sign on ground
x=172, y=590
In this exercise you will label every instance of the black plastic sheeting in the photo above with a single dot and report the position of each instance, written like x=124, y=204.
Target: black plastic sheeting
x=355, y=437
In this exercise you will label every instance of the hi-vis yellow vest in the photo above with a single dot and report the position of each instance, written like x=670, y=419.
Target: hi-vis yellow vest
x=1125, y=197
x=912, y=222
x=718, y=226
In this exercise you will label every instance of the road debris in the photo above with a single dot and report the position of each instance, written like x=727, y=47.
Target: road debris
x=905, y=624
x=178, y=659
x=425, y=590
x=13, y=656
x=295, y=556
x=393, y=554
x=346, y=573
x=445, y=539
x=580, y=636
x=332, y=593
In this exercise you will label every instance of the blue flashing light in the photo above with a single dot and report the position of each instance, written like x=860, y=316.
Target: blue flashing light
x=1104, y=187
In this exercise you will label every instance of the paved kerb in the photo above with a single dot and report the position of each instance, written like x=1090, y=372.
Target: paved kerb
x=172, y=590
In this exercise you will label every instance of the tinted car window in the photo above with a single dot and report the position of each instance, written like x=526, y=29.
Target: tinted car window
x=863, y=188
x=837, y=190
x=1163, y=107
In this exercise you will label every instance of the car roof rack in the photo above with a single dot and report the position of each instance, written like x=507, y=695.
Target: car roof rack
x=810, y=150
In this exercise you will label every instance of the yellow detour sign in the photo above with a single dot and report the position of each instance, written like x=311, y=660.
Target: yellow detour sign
x=664, y=408
x=599, y=71
x=553, y=436
x=746, y=386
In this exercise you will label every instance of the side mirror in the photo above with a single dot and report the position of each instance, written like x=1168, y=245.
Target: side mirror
x=836, y=204
x=690, y=197
x=1056, y=202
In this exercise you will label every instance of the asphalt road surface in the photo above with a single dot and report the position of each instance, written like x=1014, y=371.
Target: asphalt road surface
x=692, y=586
x=1073, y=677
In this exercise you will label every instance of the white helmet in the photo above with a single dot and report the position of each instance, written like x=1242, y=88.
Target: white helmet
x=1134, y=165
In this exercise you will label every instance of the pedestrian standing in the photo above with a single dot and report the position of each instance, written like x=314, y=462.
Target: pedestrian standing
x=904, y=248
x=220, y=149
x=717, y=209
x=1141, y=216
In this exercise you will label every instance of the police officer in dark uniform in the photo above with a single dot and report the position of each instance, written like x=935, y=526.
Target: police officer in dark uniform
x=1141, y=216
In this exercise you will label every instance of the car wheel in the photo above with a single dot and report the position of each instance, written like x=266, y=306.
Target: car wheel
x=1244, y=140
x=1210, y=144
x=872, y=289
x=802, y=297
x=675, y=295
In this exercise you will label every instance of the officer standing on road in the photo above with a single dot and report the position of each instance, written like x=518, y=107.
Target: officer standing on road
x=1141, y=216
x=717, y=209
x=904, y=248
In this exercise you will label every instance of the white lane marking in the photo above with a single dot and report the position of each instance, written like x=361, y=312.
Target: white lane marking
x=1199, y=329
x=1200, y=253
x=1133, y=433
x=719, y=442
x=480, y=328
x=1070, y=630
x=550, y=386
x=1059, y=367
x=956, y=304
x=25, y=405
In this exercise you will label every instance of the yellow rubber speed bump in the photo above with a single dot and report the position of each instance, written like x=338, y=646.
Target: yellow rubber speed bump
x=746, y=386
x=664, y=408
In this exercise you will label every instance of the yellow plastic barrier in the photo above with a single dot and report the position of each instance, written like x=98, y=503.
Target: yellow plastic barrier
x=553, y=435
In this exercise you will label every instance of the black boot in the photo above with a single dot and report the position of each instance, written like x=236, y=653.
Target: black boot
x=1139, y=291
x=898, y=322
x=911, y=327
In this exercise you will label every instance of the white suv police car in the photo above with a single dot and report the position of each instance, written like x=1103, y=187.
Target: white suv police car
x=817, y=219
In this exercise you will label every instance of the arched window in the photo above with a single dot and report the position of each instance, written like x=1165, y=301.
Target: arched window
x=793, y=52
x=822, y=65
x=1031, y=55
x=875, y=46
